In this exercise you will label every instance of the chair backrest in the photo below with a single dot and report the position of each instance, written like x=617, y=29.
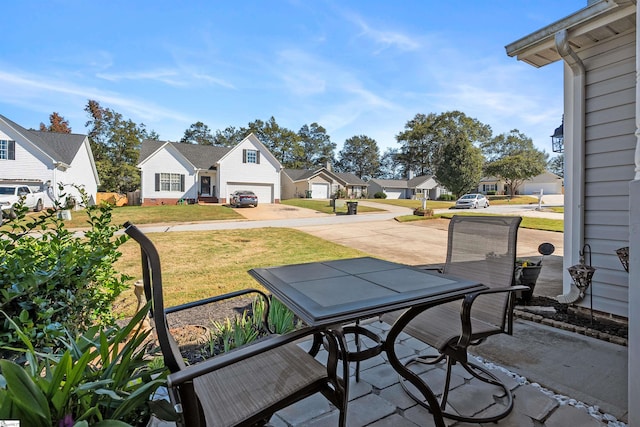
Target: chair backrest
x=483, y=248
x=152, y=279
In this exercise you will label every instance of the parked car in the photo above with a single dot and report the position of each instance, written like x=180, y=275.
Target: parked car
x=472, y=201
x=243, y=198
x=11, y=194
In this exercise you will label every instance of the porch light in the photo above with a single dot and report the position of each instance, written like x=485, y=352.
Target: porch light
x=582, y=275
x=623, y=255
x=557, y=139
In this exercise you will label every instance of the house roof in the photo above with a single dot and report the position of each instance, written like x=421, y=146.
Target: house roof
x=61, y=147
x=304, y=174
x=403, y=183
x=612, y=17
x=200, y=156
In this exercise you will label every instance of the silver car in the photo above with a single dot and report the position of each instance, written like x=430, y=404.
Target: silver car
x=474, y=201
x=243, y=198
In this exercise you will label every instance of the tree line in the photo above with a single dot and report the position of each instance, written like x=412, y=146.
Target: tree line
x=457, y=149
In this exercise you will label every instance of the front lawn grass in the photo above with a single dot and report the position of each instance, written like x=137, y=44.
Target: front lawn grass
x=200, y=264
x=159, y=214
x=324, y=206
x=545, y=224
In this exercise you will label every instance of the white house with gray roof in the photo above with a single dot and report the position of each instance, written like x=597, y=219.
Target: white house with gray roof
x=47, y=160
x=321, y=183
x=172, y=171
x=407, y=188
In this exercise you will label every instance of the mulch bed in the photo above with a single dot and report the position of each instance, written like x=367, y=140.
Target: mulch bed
x=568, y=314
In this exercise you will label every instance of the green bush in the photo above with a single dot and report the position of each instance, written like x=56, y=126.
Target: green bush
x=380, y=195
x=52, y=279
x=447, y=197
x=100, y=379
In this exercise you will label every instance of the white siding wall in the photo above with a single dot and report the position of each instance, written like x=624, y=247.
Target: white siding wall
x=81, y=174
x=30, y=163
x=167, y=160
x=609, y=165
x=232, y=170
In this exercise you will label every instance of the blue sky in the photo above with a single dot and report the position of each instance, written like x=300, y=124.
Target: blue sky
x=361, y=67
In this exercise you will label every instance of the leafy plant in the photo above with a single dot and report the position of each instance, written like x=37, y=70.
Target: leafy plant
x=52, y=280
x=235, y=333
x=101, y=379
x=380, y=195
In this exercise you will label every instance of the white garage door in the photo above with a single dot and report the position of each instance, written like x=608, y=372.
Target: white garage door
x=391, y=194
x=319, y=191
x=547, y=188
x=263, y=191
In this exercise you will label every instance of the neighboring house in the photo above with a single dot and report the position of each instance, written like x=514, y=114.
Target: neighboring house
x=173, y=171
x=47, y=160
x=412, y=188
x=599, y=48
x=321, y=183
x=548, y=182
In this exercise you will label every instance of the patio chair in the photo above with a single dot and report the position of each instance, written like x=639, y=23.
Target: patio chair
x=480, y=248
x=244, y=386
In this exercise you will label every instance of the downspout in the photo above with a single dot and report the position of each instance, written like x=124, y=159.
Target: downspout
x=574, y=138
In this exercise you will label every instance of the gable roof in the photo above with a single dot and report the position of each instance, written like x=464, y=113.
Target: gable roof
x=200, y=156
x=61, y=147
x=305, y=174
x=403, y=183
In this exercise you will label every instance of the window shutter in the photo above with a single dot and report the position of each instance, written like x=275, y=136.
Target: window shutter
x=257, y=157
x=244, y=156
x=182, y=182
x=157, y=182
x=11, y=155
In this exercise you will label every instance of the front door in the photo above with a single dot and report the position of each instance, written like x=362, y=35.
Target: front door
x=205, y=186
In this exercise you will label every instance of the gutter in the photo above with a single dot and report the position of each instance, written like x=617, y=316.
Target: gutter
x=574, y=132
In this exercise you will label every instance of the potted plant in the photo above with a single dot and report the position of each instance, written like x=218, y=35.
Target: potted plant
x=526, y=273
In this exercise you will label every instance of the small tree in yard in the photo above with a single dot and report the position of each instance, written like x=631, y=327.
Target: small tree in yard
x=513, y=158
x=52, y=280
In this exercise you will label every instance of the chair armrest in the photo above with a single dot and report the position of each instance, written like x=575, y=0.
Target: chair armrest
x=467, y=303
x=226, y=359
x=439, y=269
x=223, y=297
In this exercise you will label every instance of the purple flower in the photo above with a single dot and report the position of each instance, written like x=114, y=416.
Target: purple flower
x=67, y=421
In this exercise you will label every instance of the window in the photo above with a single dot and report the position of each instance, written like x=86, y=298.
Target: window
x=251, y=156
x=7, y=150
x=489, y=187
x=169, y=182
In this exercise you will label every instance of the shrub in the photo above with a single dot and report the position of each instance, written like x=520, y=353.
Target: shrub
x=380, y=195
x=423, y=212
x=101, y=376
x=446, y=197
x=52, y=280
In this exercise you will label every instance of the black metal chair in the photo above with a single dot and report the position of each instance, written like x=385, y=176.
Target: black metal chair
x=481, y=248
x=247, y=385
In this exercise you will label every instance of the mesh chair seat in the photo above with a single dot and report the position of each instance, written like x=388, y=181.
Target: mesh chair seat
x=234, y=393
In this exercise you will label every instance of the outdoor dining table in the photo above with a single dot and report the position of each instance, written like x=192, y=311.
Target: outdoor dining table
x=329, y=294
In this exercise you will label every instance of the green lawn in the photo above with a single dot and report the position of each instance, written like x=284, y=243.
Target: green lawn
x=325, y=206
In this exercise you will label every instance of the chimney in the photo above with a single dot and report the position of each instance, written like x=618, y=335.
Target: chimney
x=410, y=174
x=328, y=167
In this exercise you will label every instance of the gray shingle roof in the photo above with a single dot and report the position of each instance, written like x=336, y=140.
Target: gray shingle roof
x=62, y=147
x=347, y=178
x=201, y=156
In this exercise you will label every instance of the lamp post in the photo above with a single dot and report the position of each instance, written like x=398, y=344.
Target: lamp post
x=582, y=275
x=557, y=139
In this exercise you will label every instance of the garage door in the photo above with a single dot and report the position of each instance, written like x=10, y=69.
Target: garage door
x=263, y=191
x=391, y=194
x=547, y=188
x=319, y=191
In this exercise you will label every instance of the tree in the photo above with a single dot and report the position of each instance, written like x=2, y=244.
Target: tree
x=391, y=165
x=229, y=137
x=556, y=165
x=360, y=155
x=57, y=124
x=198, y=133
x=461, y=169
x=317, y=148
x=419, y=144
x=283, y=143
x=115, y=143
x=513, y=158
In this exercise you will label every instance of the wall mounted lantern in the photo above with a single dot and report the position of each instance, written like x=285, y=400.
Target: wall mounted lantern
x=582, y=275
x=557, y=139
x=623, y=255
